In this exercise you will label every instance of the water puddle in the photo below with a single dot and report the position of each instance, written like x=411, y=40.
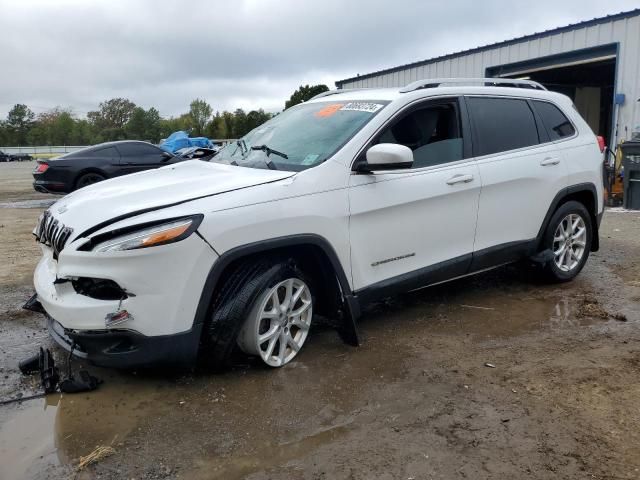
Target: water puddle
x=38, y=203
x=265, y=457
x=27, y=440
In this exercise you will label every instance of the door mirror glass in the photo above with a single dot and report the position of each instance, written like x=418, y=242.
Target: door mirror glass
x=386, y=156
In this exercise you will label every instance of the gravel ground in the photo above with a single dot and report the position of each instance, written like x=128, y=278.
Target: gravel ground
x=495, y=376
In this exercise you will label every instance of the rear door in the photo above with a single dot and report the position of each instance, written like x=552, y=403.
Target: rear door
x=521, y=172
x=135, y=157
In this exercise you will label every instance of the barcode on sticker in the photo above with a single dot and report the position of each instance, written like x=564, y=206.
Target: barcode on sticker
x=362, y=107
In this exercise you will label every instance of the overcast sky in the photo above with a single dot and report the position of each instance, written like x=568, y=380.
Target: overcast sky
x=249, y=54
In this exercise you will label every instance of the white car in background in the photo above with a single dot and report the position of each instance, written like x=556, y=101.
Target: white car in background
x=351, y=196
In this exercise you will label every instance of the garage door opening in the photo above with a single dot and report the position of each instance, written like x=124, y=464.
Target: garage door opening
x=585, y=76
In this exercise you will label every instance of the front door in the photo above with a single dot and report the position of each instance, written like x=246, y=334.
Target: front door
x=138, y=156
x=416, y=226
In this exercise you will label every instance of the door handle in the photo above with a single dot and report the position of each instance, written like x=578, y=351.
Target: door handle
x=550, y=161
x=465, y=178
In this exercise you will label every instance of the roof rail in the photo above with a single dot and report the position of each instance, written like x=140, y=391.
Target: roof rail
x=486, y=82
x=335, y=92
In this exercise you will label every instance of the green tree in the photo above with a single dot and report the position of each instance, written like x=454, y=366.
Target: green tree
x=111, y=118
x=4, y=134
x=136, y=125
x=62, y=129
x=199, y=114
x=255, y=118
x=229, y=124
x=144, y=125
x=304, y=93
x=19, y=122
x=216, y=128
x=152, y=125
x=38, y=134
x=240, y=126
x=82, y=133
x=53, y=127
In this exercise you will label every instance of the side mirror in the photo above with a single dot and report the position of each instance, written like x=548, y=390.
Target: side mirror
x=387, y=156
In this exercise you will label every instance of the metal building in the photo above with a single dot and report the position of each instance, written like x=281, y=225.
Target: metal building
x=596, y=63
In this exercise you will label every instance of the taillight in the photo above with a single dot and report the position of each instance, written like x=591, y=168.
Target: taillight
x=41, y=168
x=601, y=143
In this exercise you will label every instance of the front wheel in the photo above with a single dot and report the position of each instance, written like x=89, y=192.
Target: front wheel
x=568, y=236
x=279, y=322
x=266, y=309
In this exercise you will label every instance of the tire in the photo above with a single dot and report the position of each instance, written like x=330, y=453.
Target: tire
x=87, y=179
x=570, y=243
x=237, y=320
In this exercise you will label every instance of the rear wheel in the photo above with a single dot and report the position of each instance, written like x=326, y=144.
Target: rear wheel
x=88, y=179
x=568, y=236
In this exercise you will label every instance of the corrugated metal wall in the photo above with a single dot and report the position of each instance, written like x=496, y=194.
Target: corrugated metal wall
x=624, y=31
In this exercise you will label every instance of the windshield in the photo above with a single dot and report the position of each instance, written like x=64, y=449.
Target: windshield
x=300, y=137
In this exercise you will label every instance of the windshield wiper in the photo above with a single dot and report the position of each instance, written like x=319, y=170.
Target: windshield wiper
x=269, y=151
x=243, y=146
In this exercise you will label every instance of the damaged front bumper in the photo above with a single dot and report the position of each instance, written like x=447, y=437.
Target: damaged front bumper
x=161, y=285
x=121, y=348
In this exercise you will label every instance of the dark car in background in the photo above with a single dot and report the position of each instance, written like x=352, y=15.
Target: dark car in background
x=99, y=162
x=19, y=157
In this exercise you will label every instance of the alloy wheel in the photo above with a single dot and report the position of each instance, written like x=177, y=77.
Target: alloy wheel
x=279, y=323
x=569, y=242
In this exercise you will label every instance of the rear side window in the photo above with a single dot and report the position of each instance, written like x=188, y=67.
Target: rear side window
x=501, y=124
x=557, y=124
x=108, y=152
x=138, y=149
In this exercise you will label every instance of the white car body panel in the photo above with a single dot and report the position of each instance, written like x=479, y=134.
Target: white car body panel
x=177, y=183
x=414, y=218
x=517, y=191
x=402, y=222
x=583, y=156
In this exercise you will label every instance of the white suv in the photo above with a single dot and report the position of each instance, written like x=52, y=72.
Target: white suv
x=351, y=196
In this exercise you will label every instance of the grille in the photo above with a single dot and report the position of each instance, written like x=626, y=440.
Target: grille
x=52, y=233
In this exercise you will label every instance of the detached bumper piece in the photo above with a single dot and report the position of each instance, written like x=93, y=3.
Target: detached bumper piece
x=44, y=363
x=34, y=305
x=121, y=348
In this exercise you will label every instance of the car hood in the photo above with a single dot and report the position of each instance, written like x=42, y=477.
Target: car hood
x=121, y=197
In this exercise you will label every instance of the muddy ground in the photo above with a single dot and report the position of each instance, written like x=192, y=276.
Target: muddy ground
x=416, y=400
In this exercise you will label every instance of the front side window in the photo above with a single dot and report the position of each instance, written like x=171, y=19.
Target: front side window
x=501, y=124
x=556, y=123
x=301, y=137
x=433, y=134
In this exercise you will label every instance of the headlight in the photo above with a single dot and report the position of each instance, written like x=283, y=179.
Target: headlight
x=146, y=236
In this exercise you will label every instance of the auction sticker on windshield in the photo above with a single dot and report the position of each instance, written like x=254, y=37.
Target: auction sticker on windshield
x=329, y=110
x=362, y=107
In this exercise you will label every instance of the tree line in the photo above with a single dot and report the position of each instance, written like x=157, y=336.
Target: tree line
x=121, y=119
